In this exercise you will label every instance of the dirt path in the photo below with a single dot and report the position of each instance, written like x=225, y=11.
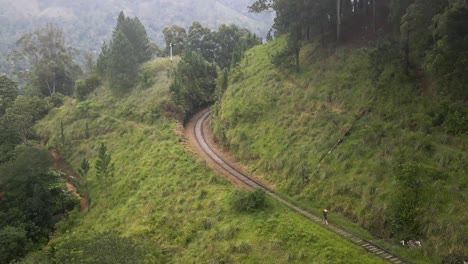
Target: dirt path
x=70, y=176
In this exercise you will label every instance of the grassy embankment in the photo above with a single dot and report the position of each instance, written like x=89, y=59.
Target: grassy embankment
x=163, y=205
x=283, y=123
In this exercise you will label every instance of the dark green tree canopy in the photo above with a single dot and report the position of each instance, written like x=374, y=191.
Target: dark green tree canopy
x=120, y=58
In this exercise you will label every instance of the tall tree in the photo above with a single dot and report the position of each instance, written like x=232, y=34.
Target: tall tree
x=174, y=35
x=135, y=32
x=120, y=58
x=122, y=64
x=202, y=40
x=447, y=61
x=53, y=69
x=194, y=83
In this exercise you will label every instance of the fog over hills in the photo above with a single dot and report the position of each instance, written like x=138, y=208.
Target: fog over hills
x=87, y=23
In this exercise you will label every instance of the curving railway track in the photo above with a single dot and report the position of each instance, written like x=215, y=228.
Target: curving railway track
x=207, y=150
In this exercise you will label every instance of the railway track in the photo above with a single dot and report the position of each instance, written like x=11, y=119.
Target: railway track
x=246, y=180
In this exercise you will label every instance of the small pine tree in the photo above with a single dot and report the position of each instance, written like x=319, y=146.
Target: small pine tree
x=104, y=167
x=83, y=171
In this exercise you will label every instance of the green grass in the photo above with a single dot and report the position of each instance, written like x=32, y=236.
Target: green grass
x=278, y=122
x=164, y=206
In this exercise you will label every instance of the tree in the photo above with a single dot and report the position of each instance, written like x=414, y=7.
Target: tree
x=28, y=200
x=194, y=83
x=13, y=243
x=53, y=69
x=122, y=64
x=104, y=166
x=176, y=36
x=83, y=171
x=414, y=29
x=119, y=60
x=447, y=61
x=202, y=40
x=8, y=93
x=135, y=32
x=23, y=114
x=227, y=38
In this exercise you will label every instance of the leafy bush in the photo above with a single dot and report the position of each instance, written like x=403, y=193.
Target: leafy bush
x=283, y=59
x=453, y=117
x=86, y=86
x=386, y=52
x=248, y=201
x=13, y=243
x=56, y=99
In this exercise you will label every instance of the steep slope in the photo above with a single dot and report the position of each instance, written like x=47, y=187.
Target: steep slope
x=164, y=206
x=335, y=136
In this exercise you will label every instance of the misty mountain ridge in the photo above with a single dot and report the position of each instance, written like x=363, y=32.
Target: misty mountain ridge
x=87, y=23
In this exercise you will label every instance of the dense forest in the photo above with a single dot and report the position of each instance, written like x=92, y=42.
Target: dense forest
x=428, y=36
x=374, y=91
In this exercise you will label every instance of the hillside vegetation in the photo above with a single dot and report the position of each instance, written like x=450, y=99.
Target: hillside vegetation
x=356, y=136
x=162, y=205
x=88, y=23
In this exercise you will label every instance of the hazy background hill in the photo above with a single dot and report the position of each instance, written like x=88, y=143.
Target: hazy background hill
x=87, y=23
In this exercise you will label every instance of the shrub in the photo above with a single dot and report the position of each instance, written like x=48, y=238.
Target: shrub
x=452, y=117
x=248, y=201
x=86, y=86
x=13, y=243
x=56, y=99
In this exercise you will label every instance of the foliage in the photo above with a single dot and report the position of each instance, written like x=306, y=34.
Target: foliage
x=431, y=34
x=408, y=200
x=8, y=93
x=51, y=62
x=362, y=100
x=194, y=83
x=448, y=59
x=13, y=243
x=18, y=121
x=249, y=201
x=174, y=35
x=172, y=207
x=30, y=197
x=119, y=60
x=385, y=53
x=83, y=170
x=86, y=86
x=104, y=167
x=453, y=117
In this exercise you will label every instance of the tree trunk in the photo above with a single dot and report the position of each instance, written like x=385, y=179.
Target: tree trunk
x=338, y=21
x=407, y=51
x=322, y=33
x=296, y=54
x=62, y=133
x=373, y=15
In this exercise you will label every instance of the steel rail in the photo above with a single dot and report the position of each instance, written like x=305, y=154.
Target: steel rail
x=200, y=138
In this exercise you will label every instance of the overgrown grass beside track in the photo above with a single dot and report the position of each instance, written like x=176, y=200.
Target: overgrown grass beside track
x=163, y=205
x=283, y=124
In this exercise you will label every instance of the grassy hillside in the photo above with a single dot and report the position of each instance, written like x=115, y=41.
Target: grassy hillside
x=398, y=161
x=163, y=205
